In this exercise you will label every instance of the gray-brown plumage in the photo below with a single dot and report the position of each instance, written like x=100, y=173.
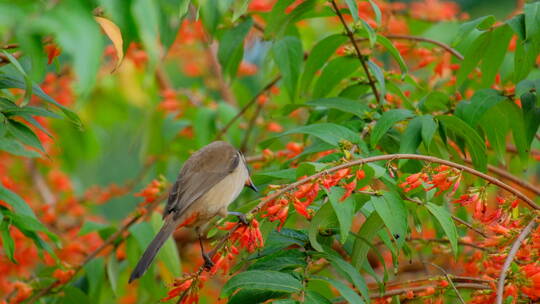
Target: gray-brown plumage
x=209, y=181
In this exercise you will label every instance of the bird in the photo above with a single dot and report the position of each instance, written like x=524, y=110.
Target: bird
x=210, y=180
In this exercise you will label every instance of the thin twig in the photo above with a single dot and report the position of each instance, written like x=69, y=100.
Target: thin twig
x=511, y=255
x=39, y=181
x=358, y=52
x=395, y=292
x=462, y=243
x=448, y=279
x=442, y=45
x=514, y=179
x=249, y=104
x=455, y=218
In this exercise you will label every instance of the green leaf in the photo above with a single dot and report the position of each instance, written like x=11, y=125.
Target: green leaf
x=348, y=294
x=95, y=273
x=262, y=280
x=146, y=16
x=10, y=82
x=288, y=55
x=327, y=132
x=15, y=201
x=350, y=274
x=474, y=142
x=531, y=116
x=353, y=9
x=496, y=125
x=280, y=21
x=333, y=73
x=429, y=127
x=466, y=28
x=27, y=80
x=391, y=209
x=493, y=59
x=344, y=210
x=480, y=103
x=367, y=232
x=434, y=101
x=231, y=47
x=318, y=56
x=379, y=76
x=342, y=104
x=74, y=295
x=29, y=223
x=411, y=138
x=23, y=133
x=313, y=297
x=113, y=270
x=9, y=144
x=280, y=260
x=7, y=240
x=393, y=52
x=444, y=218
x=387, y=121
x=323, y=219
x=473, y=55
x=251, y=296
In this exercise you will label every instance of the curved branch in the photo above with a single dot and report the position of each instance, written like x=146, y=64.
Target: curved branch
x=442, y=45
x=249, y=104
x=511, y=255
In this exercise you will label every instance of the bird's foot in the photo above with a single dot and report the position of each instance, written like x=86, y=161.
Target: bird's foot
x=208, y=263
x=241, y=217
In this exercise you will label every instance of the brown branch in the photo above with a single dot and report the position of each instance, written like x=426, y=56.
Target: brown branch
x=358, y=52
x=39, y=181
x=448, y=279
x=462, y=243
x=442, y=45
x=509, y=177
x=395, y=292
x=511, y=255
x=249, y=104
x=148, y=209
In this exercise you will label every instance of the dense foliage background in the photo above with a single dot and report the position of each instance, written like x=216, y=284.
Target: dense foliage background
x=396, y=146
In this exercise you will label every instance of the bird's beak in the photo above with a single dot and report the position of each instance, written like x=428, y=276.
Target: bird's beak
x=250, y=184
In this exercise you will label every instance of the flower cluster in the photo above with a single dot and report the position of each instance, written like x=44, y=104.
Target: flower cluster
x=248, y=236
x=187, y=288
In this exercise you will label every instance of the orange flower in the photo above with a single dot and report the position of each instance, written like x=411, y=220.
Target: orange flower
x=179, y=286
x=63, y=276
x=247, y=69
x=274, y=127
x=413, y=181
x=151, y=192
x=52, y=51
x=23, y=292
x=276, y=210
x=248, y=236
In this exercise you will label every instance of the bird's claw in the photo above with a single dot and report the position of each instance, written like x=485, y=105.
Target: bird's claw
x=243, y=219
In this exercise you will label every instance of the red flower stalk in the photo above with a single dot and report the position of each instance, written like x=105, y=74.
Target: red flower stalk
x=349, y=188
x=151, y=192
x=277, y=210
x=179, y=287
x=332, y=180
x=248, y=236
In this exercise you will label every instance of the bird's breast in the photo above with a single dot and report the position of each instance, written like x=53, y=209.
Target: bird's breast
x=223, y=193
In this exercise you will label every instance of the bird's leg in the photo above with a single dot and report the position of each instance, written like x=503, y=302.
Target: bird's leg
x=241, y=216
x=208, y=264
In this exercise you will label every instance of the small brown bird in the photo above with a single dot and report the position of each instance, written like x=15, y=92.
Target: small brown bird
x=209, y=181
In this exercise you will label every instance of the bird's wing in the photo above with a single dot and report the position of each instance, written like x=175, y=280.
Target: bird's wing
x=197, y=177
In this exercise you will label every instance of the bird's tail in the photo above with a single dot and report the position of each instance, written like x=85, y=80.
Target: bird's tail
x=150, y=253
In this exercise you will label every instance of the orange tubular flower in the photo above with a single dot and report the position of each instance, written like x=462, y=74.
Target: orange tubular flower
x=179, y=286
x=532, y=273
x=151, y=192
x=413, y=181
x=24, y=291
x=63, y=276
x=277, y=210
x=248, y=236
